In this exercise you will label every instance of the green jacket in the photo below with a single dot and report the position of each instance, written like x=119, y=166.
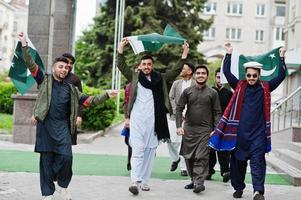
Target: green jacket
x=132, y=77
x=45, y=88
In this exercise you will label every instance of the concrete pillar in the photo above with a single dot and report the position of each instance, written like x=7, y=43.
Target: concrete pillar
x=51, y=30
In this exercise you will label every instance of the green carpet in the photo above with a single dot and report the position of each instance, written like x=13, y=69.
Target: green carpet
x=103, y=165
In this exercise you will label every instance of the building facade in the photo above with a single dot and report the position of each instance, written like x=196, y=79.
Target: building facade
x=252, y=27
x=293, y=45
x=13, y=19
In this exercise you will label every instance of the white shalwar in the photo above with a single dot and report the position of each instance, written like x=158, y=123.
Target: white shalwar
x=143, y=139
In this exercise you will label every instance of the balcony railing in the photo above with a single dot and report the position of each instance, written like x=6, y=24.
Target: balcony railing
x=288, y=113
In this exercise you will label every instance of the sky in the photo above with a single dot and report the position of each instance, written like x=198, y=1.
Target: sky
x=86, y=10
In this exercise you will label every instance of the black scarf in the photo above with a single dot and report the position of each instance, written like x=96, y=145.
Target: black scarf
x=156, y=85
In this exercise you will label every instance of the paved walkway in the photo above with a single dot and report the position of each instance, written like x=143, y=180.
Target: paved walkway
x=17, y=186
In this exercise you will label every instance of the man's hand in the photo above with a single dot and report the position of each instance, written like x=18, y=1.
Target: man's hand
x=122, y=44
x=22, y=39
x=79, y=121
x=185, y=50
x=112, y=93
x=127, y=123
x=282, y=51
x=228, y=48
x=33, y=121
x=180, y=131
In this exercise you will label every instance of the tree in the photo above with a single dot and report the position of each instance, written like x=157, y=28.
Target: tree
x=94, y=50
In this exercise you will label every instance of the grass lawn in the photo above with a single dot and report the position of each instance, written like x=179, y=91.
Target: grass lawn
x=105, y=165
x=6, y=122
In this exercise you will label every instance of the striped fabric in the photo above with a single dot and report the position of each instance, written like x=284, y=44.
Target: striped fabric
x=224, y=136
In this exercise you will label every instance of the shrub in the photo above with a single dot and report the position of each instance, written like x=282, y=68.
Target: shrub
x=6, y=102
x=100, y=116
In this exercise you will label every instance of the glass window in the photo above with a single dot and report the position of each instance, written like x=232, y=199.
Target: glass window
x=259, y=35
x=210, y=8
x=260, y=9
x=234, y=8
x=279, y=34
x=280, y=11
x=210, y=33
x=233, y=33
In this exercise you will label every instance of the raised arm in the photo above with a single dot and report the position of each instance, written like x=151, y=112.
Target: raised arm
x=275, y=82
x=29, y=62
x=172, y=74
x=232, y=80
x=121, y=64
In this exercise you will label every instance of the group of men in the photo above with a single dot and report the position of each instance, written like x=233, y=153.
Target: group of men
x=202, y=115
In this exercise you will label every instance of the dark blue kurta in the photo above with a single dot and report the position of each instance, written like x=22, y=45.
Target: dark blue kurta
x=251, y=136
x=53, y=134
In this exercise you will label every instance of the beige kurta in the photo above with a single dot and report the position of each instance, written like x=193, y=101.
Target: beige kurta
x=203, y=113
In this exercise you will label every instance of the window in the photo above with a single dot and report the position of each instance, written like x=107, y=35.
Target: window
x=234, y=8
x=260, y=10
x=15, y=26
x=209, y=34
x=279, y=34
x=259, y=35
x=280, y=11
x=233, y=33
x=210, y=8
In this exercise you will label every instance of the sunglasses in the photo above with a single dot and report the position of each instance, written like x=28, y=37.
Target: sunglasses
x=251, y=75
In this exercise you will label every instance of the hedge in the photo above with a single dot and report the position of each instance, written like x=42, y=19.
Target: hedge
x=101, y=116
x=7, y=89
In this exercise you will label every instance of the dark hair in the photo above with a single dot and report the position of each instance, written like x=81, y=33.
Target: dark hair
x=218, y=70
x=146, y=57
x=60, y=59
x=69, y=56
x=190, y=65
x=202, y=67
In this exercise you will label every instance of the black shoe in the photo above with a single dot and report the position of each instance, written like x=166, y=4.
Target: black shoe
x=209, y=177
x=128, y=167
x=258, y=196
x=184, y=173
x=237, y=194
x=189, y=186
x=226, y=177
x=198, y=188
x=174, y=165
x=134, y=189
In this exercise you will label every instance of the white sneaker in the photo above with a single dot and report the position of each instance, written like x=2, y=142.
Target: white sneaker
x=144, y=187
x=50, y=197
x=64, y=192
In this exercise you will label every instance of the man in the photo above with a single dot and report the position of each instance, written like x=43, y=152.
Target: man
x=245, y=125
x=73, y=79
x=175, y=92
x=203, y=113
x=224, y=95
x=147, y=107
x=55, y=111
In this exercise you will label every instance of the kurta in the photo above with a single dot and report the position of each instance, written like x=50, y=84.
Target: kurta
x=53, y=135
x=142, y=120
x=203, y=113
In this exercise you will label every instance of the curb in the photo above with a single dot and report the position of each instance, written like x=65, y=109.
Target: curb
x=88, y=138
x=6, y=137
